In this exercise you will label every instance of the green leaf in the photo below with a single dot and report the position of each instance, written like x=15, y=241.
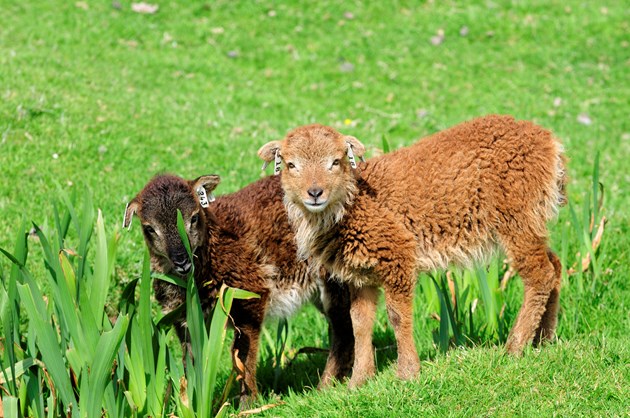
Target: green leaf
x=19, y=368
x=100, y=370
x=85, y=232
x=181, y=228
x=10, y=406
x=385, y=143
x=134, y=363
x=244, y=294
x=33, y=302
x=68, y=274
x=100, y=279
x=596, y=203
x=443, y=337
x=216, y=339
x=144, y=313
x=170, y=318
x=178, y=281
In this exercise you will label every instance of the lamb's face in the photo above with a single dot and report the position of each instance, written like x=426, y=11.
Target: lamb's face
x=156, y=206
x=317, y=173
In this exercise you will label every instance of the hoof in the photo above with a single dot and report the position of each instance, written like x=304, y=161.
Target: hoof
x=513, y=347
x=246, y=402
x=358, y=379
x=408, y=371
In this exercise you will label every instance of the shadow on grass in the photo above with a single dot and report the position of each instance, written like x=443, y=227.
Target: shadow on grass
x=302, y=372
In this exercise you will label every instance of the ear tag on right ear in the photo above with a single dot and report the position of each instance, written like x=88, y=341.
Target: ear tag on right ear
x=203, y=197
x=277, y=164
x=353, y=161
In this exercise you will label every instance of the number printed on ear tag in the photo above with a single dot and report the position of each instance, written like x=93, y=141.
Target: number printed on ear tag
x=203, y=197
x=277, y=165
x=353, y=162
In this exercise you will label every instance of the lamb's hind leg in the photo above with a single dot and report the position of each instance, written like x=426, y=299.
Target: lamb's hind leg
x=363, y=313
x=547, y=329
x=399, y=304
x=529, y=257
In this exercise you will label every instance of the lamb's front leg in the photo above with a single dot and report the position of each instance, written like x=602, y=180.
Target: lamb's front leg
x=363, y=313
x=248, y=318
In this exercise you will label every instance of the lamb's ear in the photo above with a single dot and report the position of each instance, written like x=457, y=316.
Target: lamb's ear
x=268, y=151
x=130, y=210
x=208, y=182
x=357, y=147
x=204, y=186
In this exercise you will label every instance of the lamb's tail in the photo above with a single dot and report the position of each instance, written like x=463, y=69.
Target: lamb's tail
x=557, y=197
x=562, y=179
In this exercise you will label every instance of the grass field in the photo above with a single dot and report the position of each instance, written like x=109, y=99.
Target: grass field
x=96, y=96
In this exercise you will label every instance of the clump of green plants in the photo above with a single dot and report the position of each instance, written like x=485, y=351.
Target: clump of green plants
x=63, y=355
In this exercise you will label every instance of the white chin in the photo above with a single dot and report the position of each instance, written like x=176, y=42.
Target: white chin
x=315, y=208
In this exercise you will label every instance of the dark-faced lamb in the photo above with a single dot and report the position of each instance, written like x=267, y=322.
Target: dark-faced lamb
x=243, y=240
x=451, y=198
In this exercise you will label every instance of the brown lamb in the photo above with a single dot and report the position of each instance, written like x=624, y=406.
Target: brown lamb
x=451, y=198
x=243, y=240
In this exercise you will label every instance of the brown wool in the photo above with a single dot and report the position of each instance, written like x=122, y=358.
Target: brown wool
x=243, y=240
x=452, y=198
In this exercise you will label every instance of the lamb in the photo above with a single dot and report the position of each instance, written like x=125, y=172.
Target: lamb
x=243, y=240
x=451, y=198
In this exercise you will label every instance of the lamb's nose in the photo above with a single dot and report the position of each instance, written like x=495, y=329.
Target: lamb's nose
x=315, y=192
x=182, y=266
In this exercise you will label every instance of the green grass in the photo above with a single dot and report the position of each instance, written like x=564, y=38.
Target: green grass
x=117, y=96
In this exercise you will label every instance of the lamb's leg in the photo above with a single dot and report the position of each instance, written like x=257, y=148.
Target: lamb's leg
x=529, y=257
x=336, y=306
x=546, y=330
x=248, y=319
x=399, y=303
x=363, y=313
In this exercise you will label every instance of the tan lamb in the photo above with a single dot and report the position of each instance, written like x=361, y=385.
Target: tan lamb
x=451, y=198
x=242, y=239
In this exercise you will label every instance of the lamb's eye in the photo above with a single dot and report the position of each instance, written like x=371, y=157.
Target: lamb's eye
x=194, y=219
x=336, y=162
x=148, y=229
x=290, y=165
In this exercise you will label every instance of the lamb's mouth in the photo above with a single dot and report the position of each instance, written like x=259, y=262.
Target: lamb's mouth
x=315, y=206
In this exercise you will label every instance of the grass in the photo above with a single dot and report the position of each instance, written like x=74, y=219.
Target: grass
x=101, y=97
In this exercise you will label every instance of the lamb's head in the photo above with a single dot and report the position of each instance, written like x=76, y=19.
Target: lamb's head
x=318, y=173
x=156, y=206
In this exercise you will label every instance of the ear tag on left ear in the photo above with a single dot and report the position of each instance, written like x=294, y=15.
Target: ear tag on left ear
x=203, y=197
x=125, y=218
x=353, y=161
x=277, y=164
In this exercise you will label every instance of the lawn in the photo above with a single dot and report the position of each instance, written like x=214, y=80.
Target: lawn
x=95, y=96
